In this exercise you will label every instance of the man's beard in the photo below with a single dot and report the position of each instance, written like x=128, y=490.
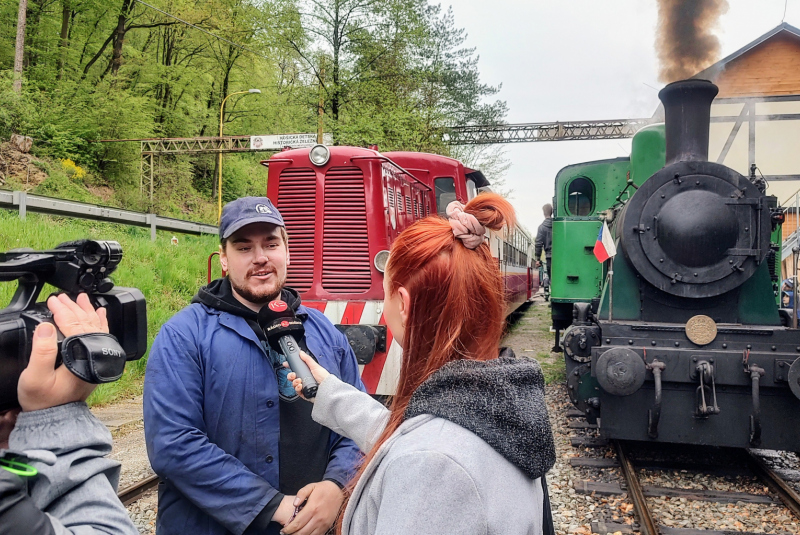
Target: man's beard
x=264, y=296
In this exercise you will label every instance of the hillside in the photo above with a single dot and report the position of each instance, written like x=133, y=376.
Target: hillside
x=179, y=198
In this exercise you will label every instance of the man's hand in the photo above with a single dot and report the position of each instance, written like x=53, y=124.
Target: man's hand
x=319, y=373
x=324, y=502
x=40, y=385
x=284, y=511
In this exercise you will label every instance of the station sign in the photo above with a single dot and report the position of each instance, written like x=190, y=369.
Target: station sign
x=295, y=141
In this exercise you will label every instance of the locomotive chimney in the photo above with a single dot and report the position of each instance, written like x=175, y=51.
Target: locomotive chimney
x=687, y=114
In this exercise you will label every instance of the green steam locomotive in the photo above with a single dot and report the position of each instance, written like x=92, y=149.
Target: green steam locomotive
x=679, y=337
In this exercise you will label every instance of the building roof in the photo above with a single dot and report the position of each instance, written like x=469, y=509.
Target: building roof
x=711, y=72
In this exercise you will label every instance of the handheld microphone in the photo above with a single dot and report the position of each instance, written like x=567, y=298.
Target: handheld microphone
x=283, y=329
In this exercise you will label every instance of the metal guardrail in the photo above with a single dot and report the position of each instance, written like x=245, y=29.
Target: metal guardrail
x=22, y=201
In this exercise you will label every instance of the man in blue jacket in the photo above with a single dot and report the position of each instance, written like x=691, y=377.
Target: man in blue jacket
x=225, y=430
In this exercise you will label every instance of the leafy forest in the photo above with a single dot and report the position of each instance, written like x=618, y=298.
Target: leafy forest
x=394, y=73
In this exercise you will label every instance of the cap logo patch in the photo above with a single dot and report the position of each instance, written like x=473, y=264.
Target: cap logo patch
x=263, y=209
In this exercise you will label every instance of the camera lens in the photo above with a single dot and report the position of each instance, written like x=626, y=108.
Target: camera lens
x=92, y=253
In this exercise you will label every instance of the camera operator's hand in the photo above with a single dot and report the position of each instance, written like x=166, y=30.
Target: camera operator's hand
x=40, y=385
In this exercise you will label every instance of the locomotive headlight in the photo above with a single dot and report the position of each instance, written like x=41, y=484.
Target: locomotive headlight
x=319, y=155
x=380, y=260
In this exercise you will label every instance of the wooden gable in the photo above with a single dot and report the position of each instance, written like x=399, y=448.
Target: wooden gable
x=768, y=69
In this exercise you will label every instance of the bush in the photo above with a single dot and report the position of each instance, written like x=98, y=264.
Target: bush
x=72, y=169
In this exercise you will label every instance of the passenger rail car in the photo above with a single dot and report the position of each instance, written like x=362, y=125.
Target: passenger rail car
x=343, y=208
x=680, y=339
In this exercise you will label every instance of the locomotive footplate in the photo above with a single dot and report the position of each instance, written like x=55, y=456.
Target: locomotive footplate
x=657, y=385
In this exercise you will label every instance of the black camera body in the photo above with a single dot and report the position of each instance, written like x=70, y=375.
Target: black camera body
x=75, y=267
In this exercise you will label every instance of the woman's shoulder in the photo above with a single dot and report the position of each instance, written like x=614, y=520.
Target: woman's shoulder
x=430, y=435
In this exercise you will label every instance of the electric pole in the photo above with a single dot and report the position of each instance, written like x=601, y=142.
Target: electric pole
x=321, y=124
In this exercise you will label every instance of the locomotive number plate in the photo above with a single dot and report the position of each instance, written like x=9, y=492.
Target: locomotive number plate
x=701, y=330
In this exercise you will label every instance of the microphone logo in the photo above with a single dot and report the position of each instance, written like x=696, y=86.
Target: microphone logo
x=284, y=323
x=277, y=306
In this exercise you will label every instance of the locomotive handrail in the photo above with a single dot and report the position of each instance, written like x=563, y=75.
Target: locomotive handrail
x=384, y=158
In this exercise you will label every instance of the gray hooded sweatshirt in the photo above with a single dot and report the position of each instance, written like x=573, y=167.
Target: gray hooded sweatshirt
x=76, y=486
x=467, y=459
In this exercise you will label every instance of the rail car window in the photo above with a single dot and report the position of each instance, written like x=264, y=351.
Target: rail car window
x=445, y=194
x=580, y=197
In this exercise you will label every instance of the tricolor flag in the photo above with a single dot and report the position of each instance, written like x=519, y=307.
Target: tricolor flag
x=604, y=248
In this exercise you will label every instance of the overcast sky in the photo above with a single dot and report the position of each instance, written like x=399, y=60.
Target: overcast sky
x=581, y=60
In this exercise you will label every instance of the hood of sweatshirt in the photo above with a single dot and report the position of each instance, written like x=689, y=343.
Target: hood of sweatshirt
x=219, y=295
x=500, y=400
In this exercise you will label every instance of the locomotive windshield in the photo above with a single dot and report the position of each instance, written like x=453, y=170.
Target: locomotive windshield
x=445, y=194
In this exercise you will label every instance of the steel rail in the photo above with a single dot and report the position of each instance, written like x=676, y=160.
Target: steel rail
x=130, y=494
x=789, y=496
x=647, y=525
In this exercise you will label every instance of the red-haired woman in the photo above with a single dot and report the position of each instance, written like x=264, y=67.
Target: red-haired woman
x=467, y=440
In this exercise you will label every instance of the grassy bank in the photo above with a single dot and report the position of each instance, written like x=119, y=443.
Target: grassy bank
x=167, y=274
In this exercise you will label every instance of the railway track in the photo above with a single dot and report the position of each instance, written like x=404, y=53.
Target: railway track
x=647, y=524
x=132, y=493
x=632, y=459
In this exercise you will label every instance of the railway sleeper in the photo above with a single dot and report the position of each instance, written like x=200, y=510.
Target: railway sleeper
x=603, y=528
x=649, y=491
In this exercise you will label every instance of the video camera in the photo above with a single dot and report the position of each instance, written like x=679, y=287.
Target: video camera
x=81, y=266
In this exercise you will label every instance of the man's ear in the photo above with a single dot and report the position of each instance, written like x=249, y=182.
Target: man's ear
x=405, y=304
x=287, y=257
x=223, y=259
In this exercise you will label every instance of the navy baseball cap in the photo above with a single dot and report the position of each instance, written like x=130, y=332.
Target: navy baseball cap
x=246, y=210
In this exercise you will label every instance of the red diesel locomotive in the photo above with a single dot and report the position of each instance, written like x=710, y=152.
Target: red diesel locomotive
x=343, y=208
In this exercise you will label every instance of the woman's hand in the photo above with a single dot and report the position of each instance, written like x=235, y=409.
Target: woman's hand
x=319, y=373
x=41, y=385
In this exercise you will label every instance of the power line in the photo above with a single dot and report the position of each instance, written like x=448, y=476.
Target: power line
x=785, y=5
x=202, y=29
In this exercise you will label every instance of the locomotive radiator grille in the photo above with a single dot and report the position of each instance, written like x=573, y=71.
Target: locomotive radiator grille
x=297, y=194
x=345, y=249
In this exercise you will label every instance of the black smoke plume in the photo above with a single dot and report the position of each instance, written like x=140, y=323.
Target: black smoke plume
x=684, y=41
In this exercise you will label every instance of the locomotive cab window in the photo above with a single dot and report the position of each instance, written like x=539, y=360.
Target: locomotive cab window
x=445, y=194
x=472, y=190
x=580, y=197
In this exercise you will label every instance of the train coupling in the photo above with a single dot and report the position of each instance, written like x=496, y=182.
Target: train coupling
x=706, y=393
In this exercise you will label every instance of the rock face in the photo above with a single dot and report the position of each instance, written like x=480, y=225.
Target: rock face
x=21, y=143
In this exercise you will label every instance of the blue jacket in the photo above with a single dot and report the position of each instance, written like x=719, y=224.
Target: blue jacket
x=212, y=423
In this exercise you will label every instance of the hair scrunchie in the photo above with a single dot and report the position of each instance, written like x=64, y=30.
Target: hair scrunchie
x=466, y=227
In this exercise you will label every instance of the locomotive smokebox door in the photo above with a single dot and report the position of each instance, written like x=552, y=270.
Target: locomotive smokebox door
x=696, y=229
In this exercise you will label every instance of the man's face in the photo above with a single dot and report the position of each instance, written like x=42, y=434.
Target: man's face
x=255, y=258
